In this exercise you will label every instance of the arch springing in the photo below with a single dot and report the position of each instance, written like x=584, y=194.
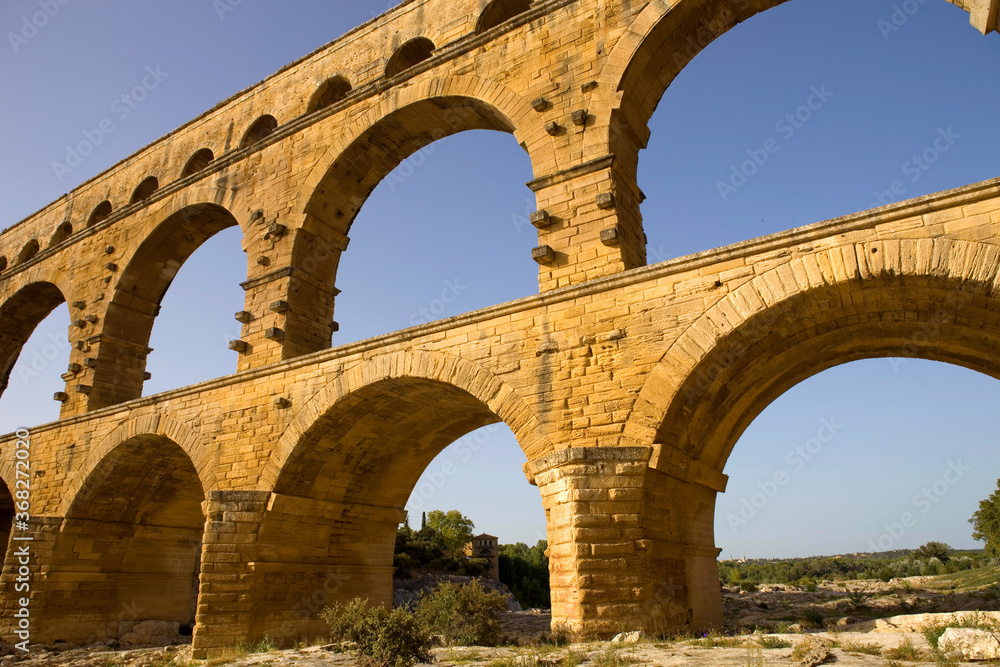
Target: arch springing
x=150, y=185
x=329, y=93
x=260, y=129
x=409, y=54
x=198, y=161
x=500, y=11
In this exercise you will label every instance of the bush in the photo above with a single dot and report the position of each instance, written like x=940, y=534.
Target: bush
x=463, y=615
x=384, y=638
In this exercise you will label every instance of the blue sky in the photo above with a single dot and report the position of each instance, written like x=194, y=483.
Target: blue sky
x=449, y=225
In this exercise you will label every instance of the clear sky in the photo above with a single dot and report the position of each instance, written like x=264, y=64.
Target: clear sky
x=449, y=225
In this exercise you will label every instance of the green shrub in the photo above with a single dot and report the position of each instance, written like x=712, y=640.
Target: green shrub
x=463, y=615
x=384, y=638
x=814, y=617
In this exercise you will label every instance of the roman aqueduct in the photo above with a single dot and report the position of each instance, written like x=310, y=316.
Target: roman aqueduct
x=243, y=504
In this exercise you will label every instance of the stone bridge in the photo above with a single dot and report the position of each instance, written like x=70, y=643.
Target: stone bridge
x=245, y=504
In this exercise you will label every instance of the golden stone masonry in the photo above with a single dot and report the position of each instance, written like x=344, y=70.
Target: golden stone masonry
x=245, y=504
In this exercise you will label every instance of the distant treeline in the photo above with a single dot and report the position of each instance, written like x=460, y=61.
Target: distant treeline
x=931, y=559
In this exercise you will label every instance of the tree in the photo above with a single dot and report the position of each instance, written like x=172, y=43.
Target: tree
x=454, y=528
x=986, y=523
x=938, y=550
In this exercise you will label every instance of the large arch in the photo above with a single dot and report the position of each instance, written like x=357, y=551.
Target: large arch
x=42, y=292
x=932, y=299
x=129, y=549
x=123, y=347
x=658, y=43
x=363, y=154
x=345, y=467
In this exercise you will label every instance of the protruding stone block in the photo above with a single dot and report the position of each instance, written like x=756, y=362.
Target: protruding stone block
x=553, y=128
x=274, y=333
x=244, y=316
x=605, y=201
x=83, y=389
x=580, y=117
x=539, y=104
x=543, y=254
x=279, y=306
x=282, y=403
x=60, y=396
x=609, y=236
x=541, y=219
x=238, y=346
x=74, y=368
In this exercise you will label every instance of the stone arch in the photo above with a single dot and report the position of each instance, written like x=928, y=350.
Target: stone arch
x=167, y=243
x=346, y=464
x=411, y=53
x=101, y=213
x=651, y=52
x=197, y=162
x=152, y=424
x=366, y=151
x=38, y=293
x=63, y=232
x=144, y=190
x=926, y=298
x=500, y=11
x=471, y=378
x=260, y=129
x=932, y=299
x=328, y=93
x=129, y=548
x=28, y=252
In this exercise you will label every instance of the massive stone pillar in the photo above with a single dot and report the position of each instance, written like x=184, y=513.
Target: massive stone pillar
x=226, y=598
x=589, y=223
x=624, y=550
x=24, y=578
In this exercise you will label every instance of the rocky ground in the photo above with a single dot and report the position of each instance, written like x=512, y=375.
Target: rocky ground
x=858, y=623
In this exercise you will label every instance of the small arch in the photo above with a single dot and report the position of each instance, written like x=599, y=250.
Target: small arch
x=145, y=189
x=500, y=11
x=100, y=214
x=329, y=93
x=198, y=161
x=29, y=250
x=63, y=232
x=409, y=54
x=3, y=262
x=261, y=128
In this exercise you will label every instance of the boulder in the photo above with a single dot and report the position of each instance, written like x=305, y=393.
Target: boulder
x=627, y=637
x=973, y=644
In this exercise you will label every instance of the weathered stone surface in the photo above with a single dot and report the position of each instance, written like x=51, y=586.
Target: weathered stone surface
x=972, y=644
x=248, y=503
